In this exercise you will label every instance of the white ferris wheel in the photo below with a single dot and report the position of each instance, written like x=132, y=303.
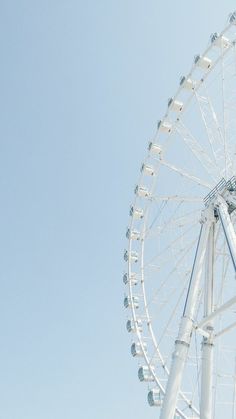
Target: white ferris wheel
x=181, y=255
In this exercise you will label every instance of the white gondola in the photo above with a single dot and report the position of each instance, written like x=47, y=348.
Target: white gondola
x=136, y=213
x=164, y=126
x=137, y=349
x=133, y=234
x=132, y=278
x=220, y=41
x=187, y=83
x=175, y=105
x=141, y=191
x=133, y=327
x=232, y=18
x=128, y=302
x=203, y=62
x=207, y=93
x=130, y=256
x=154, y=148
x=144, y=374
x=147, y=170
x=154, y=397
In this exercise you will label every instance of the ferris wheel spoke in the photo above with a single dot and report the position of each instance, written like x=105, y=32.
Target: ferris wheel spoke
x=197, y=150
x=185, y=174
x=170, y=245
x=211, y=125
x=172, y=219
x=217, y=312
x=173, y=313
x=225, y=267
x=169, y=275
x=226, y=151
x=177, y=198
x=175, y=252
x=225, y=330
x=176, y=222
x=173, y=271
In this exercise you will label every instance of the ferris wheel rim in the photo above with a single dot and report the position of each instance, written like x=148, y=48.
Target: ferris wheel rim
x=139, y=335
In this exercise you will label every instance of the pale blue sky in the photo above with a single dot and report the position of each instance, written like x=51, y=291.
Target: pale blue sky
x=82, y=86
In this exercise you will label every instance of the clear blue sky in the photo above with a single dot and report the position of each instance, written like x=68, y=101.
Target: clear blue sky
x=82, y=86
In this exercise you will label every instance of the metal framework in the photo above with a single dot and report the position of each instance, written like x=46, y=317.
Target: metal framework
x=179, y=281
x=219, y=204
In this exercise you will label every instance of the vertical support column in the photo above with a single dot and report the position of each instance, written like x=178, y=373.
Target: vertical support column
x=182, y=342
x=228, y=229
x=207, y=344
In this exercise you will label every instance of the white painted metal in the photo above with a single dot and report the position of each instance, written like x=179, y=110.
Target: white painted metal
x=187, y=83
x=186, y=326
x=228, y=229
x=201, y=331
x=175, y=105
x=204, y=62
x=148, y=170
x=132, y=278
x=185, y=174
x=187, y=163
x=132, y=327
x=177, y=198
x=225, y=330
x=142, y=191
x=217, y=312
x=220, y=41
x=196, y=148
x=207, y=343
x=137, y=349
x=207, y=380
x=212, y=126
x=137, y=213
x=129, y=301
x=144, y=373
x=154, y=148
x=164, y=126
x=154, y=397
x=132, y=256
x=133, y=234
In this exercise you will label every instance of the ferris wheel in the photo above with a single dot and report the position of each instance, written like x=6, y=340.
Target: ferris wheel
x=181, y=255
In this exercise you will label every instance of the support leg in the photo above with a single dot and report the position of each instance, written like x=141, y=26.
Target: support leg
x=228, y=229
x=207, y=344
x=183, y=340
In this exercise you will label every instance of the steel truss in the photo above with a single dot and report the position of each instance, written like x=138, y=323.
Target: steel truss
x=220, y=203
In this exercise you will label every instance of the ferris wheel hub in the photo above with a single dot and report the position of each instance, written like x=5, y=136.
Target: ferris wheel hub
x=226, y=189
